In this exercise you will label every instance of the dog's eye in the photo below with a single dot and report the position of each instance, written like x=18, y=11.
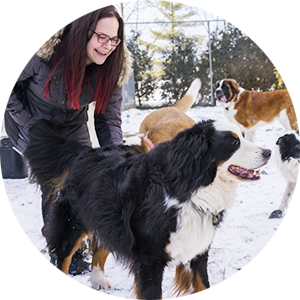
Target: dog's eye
x=235, y=142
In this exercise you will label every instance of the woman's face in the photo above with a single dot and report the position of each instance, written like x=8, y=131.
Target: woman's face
x=97, y=52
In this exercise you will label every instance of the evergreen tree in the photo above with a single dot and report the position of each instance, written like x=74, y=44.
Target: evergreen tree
x=180, y=67
x=144, y=81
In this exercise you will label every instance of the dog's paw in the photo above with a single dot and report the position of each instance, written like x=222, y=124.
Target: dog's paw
x=99, y=280
x=276, y=214
x=63, y=289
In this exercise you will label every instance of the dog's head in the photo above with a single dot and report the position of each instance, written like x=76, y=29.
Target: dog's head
x=288, y=146
x=244, y=162
x=226, y=89
x=197, y=154
x=287, y=154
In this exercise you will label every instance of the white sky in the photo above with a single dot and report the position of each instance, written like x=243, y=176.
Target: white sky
x=148, y=14
x=206, y=9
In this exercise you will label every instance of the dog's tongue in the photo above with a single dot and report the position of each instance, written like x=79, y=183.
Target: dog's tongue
x=223, y=99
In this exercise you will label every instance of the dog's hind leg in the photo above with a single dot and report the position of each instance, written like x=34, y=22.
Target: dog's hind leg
x=192, y=278
x=62, y=282
x=286, y=198
x=63, y=233
x=98, y=279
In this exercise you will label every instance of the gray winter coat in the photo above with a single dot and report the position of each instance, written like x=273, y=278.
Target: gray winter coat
x=24, y=109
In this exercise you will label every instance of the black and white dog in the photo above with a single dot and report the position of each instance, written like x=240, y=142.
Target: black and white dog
x=151, y=209
x=288, y=159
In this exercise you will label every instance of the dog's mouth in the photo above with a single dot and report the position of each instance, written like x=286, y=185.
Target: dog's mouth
x=244, y=173
x=222, y=99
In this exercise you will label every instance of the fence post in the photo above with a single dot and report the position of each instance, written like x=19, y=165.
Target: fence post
x=297, y=56
x=210, y=67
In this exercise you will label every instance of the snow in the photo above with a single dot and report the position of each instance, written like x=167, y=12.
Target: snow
x=244, y=233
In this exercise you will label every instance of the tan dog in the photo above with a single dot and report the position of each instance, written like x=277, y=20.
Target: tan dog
x=165, y=123
x=251, y=109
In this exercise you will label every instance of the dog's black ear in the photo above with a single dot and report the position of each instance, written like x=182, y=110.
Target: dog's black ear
x=189, y=160
x=279, y=141
x=234, y=90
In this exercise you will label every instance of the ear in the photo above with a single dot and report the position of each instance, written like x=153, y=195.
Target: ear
x=279, y=141
x=234, y=90
x=189, y=160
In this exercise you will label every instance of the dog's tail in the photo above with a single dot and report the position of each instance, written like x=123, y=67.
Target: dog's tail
x=49, y=155
x=188, y=100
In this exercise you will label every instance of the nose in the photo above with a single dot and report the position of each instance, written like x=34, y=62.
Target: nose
x=267, y=153
x=219, y=92
x=107, y=45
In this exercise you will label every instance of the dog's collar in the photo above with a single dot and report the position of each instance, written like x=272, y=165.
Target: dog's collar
x=150, y=144
x=200, y=210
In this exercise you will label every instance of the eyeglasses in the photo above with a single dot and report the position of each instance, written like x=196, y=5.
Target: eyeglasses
x=103, y=39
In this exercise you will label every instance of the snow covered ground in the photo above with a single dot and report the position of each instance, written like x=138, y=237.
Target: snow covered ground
x=243, y=234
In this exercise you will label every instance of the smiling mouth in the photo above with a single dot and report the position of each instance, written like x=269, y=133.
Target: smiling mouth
x=101, y=53
x=244, y=173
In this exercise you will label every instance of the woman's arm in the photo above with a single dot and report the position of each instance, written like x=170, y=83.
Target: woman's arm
x=17, y=65
x=108, y=125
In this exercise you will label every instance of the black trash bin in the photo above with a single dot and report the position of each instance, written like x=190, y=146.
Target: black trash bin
x=12, y=163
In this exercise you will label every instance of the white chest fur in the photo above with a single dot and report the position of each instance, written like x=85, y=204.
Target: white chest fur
x=195, y=231
x=193, y=236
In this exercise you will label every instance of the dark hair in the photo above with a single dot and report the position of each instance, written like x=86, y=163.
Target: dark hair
x=70, y=60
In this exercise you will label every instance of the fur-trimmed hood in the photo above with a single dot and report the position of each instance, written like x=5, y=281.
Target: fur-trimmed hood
x=47, y=50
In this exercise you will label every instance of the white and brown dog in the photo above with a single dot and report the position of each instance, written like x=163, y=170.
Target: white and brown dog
x=288, y=160
x=251, y=109
x=165, y=123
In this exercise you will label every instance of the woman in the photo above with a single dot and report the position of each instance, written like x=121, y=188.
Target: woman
x=86, y=61
x=78, y=58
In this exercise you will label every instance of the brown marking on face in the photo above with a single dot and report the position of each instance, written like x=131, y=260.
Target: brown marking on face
x=234, y=134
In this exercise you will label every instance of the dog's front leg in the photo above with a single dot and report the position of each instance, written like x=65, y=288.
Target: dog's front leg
x=286, y=198
x=199, y=270
x=98, y=279
x=148, y=279
x=192, y=277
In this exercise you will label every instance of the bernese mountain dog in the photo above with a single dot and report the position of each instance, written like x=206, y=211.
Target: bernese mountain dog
x=150, y=210
x=287, y=155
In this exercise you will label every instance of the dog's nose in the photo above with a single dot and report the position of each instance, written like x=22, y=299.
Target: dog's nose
x=267, y=153
x=219, y=93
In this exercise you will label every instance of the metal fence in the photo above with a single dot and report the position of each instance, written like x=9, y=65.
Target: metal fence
x=280, y=65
